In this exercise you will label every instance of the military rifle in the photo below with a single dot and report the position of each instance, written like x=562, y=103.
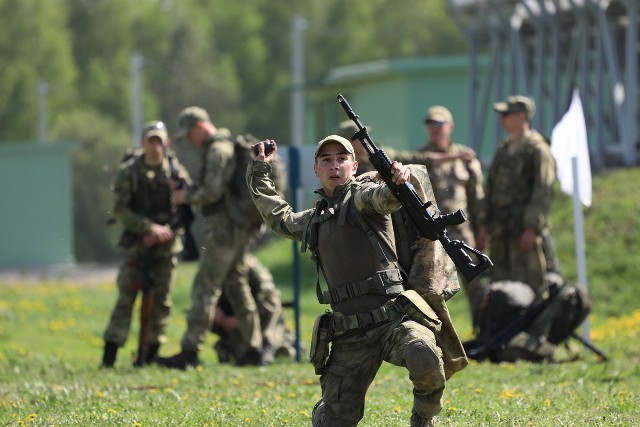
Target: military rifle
x=432, y=227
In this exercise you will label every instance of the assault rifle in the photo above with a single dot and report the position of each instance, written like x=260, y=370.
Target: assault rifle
x=146, y=305
x=432, y=227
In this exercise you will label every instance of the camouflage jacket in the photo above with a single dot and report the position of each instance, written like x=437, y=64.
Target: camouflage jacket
x=142, y=197
x=519, y=188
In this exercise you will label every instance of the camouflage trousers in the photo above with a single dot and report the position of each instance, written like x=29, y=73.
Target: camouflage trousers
x=509, y=263
x=267, y=297
x=355, y=359
x=129, y=286
x=222, y=268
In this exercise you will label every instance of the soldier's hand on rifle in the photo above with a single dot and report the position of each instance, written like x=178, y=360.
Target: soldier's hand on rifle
x=400, y=173
x=158, y=234
x=264, y=151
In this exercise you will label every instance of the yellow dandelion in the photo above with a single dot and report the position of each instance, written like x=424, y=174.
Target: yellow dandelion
x=452, y=409
x=291, y=395
x=112, y=411
x=247, y=420
x=305, y=414
x=31, y=417
x=397, y=409
x=99, y=393
x=137, y=424
x=547, y=403
x=278, y=398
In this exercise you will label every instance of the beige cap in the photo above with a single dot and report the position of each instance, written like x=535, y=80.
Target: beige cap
x=438, y=114
x=516, y=103
x=155, y=128
x=188, y=118
x=334, y=138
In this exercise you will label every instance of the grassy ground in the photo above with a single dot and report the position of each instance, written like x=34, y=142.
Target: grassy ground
x=50, y=346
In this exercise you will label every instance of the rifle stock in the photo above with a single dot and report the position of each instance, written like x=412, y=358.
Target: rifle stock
x=470, y=262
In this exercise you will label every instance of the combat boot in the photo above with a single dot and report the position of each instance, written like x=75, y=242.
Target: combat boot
x=251, y=357
x=109, y=355
x=182, y=360
x=152, y=353
x=418, y=421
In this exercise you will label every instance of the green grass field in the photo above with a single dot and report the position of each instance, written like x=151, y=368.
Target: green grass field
x=50, y=347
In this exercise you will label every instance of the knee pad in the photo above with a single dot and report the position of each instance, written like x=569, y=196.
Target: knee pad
x=423, y=360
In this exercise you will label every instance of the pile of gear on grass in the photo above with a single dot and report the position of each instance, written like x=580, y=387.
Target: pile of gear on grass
x=512, y=324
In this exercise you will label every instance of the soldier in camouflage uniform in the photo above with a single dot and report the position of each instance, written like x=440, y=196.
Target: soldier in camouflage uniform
x=374, y=319
x=223, y=245
x=518, y=199
x=454, y=172
x=143, y=206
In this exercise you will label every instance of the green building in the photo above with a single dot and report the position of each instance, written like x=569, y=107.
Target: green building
x=36, y=219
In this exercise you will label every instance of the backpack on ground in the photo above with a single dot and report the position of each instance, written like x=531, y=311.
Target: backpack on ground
x=513, y=325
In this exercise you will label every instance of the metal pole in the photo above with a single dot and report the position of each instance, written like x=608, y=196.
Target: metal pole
x=137, y=61
x=43, y=89
x=298, y=25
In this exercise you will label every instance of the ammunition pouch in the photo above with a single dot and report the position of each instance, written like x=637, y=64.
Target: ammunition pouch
x=418, y=310
x=385, y=282
x=320, y=340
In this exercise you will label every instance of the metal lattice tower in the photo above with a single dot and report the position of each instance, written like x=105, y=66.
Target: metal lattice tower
x=545, y=49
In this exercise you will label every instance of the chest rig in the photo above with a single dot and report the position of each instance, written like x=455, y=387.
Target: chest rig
x=388, y=281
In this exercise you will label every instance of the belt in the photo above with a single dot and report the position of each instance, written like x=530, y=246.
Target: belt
x=386, y=282
x=343, y=323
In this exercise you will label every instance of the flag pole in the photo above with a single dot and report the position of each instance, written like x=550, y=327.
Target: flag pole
x=580, y=251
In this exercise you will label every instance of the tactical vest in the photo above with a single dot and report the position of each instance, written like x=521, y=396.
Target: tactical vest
x=387, y=282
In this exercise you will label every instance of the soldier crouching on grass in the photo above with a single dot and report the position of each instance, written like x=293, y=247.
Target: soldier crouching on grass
x=374, y=319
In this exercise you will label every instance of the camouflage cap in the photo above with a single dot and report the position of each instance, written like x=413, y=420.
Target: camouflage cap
x=438, y=114
x=516, y=104
x=334, y=138
x=348, y=128
x=189, y=117
x=155, y=128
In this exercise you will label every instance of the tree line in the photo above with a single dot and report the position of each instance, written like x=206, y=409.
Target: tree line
x=232, y=58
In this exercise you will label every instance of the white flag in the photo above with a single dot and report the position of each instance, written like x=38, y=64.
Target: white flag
x=568, y=140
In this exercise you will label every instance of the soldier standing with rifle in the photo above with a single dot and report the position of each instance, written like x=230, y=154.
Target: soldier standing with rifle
x=150, y=241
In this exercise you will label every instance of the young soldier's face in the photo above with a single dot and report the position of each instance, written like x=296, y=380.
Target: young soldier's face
x=153, y=148
x=333, y=166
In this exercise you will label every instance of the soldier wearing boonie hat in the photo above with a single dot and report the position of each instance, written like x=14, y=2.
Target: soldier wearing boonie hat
x=516, y=104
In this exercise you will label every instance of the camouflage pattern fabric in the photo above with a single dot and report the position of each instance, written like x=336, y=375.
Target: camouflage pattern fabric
x=275, y=332
x=142, y=197
x=224, y=244
x=519, y=193
x=356, y=355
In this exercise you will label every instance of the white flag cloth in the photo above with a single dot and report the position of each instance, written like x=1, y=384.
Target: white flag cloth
x=569, y=139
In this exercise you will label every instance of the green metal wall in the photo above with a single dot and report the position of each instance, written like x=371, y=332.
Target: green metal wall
x=36, y=219
x=392, y=97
